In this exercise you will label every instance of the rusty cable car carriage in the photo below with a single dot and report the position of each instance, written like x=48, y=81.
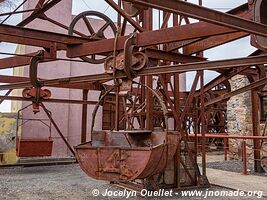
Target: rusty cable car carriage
x=124, y=155
x=33, y=147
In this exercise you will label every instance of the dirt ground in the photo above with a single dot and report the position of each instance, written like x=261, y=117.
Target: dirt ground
x=63, y=182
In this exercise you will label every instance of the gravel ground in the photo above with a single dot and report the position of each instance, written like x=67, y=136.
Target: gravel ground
x=62, y=182
x=234, y=166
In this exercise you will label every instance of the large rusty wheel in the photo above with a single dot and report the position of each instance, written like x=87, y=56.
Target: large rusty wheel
x=92, y=32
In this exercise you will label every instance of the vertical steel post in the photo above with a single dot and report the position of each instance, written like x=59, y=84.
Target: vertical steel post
x=244, y=156
x=117, y=109
x=203, y=124
x=84, y=117
x=177, y=127
x=225, y=148
x=256, y=130
x=148, y=25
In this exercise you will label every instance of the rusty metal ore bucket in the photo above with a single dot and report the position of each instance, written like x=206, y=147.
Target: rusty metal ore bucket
x=126, y=155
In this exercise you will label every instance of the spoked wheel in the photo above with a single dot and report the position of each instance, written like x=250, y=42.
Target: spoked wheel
x=134, y=110
x=93, y=31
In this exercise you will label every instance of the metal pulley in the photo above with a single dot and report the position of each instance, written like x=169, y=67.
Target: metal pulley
x=128, y=61
x=29, y=93
x=139, y=61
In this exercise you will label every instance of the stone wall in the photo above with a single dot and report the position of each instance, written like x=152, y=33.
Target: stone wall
x=239, y=118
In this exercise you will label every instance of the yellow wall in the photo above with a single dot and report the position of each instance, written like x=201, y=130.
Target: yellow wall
x=7, y=141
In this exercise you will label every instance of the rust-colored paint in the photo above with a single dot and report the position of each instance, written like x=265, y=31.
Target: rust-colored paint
x=34, y=148
x=126, y=155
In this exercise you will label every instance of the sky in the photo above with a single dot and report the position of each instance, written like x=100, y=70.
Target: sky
x=240, y=48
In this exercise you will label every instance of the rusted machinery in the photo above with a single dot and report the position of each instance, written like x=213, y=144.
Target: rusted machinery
x=142, y=79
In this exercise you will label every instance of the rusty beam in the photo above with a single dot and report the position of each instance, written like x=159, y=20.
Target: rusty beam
x=214, y=41
x=42, y=9
x=12, y=79
x=149, y=38
x=179, y=68
x=64, y=101
x=127, y=17
x=22, y=60
x=26, y=36
x=251, y=86
x=222, y=78
x=83, y=85
x=256, y=130
x=170, y=56
x=84, y=117
x=205, y=14
x=7, y=93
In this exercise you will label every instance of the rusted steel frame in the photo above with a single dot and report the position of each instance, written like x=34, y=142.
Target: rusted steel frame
x=31, y=42
x=184, y=134
x=207, y=65
x=165, y=20
x=40, y=4
x=176, y=94
x=119, y=15
x=147, y=25
x=65, y=101
x=40, y=11
x=244, y=156
x=123, y=27
x=28, y=36
x=17, y=12
x=84, y=117
x=222, y=78
x=225, y=136
x=251, y=86
x=57, y=128
x=177, y=45
x=21, y=60
x=205, y=14
x=187, y=171
x=181, y=119
x=190, y=97
x=225, y=144
x=180, y=68
x=255, y=100
x=177, y=119
x=170, y=56
x=127, y=17
x=14, y=12
x=22, y=80
x=214, y=41
x=117, y=108
x=207, y=42
x=149, y=38
x=241, y=11
x=14, y=61
x=177, y=125
x=203, y=124
x=44, y=17
x=7, y=93
x=12, y=79
x=263, y=93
